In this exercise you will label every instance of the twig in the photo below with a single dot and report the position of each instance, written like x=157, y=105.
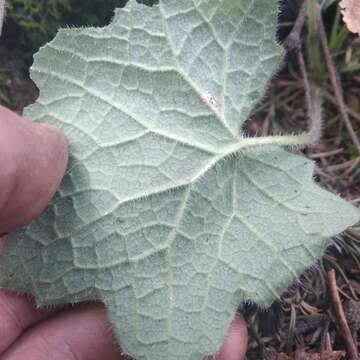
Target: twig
x=326, y=154
x=353, y=113
x=320, y=172
x=307, y=88
x=253, y=332
x=353, y=166
x=355, y=234
x=342, y=166
x=313, y=98
x=345, y=278
x=325, y=344
x=335, y=80
x=328, y=342
x=291, y=332
x=310, y=100
x=346, y=333
x=269, y=117
x=293, y=41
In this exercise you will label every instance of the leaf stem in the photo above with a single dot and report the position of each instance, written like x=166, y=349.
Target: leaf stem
x=244, y=143
x=288, y=140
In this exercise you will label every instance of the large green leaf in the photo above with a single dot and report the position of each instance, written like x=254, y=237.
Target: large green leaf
x=167, y=213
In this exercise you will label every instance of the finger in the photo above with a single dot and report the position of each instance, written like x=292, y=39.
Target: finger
x=235, y=344
x=33, y=159
x=17, y=313
x=80, y=333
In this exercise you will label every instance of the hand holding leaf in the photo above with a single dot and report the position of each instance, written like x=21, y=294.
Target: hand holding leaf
x=167, y=213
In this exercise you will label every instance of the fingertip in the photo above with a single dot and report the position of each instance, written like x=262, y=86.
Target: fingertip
x=81, y=332
x=235, y=343
x=56, y=154
x=52, y=136
x=33, y=159
x=17, y=313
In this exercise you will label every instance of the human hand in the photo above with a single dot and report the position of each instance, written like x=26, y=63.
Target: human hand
x=33, y=159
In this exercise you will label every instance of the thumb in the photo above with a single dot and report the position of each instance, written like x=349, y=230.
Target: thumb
x=33, y=159
x=235, y=344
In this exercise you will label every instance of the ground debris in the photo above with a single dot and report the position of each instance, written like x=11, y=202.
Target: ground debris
x=309, y=324
x=301, y=354
x=352, y=313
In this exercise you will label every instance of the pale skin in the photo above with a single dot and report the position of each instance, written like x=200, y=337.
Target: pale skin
x=33, y=159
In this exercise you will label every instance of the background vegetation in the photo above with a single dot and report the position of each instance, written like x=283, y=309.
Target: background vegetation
x=32, y=23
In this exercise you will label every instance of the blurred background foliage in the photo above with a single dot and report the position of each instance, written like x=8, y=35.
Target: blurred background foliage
x=29, y=24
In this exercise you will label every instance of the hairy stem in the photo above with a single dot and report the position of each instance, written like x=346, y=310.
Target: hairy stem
x=286, y=140
x=246, y=143
x=293, y=41
x=313, y=97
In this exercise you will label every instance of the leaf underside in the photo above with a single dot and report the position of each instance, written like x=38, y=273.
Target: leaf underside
x=156, y=216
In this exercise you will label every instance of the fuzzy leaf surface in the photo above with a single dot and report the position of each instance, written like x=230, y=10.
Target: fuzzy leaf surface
x=165, y=214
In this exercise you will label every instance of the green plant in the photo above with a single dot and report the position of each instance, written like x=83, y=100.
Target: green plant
x=313, y=47
x=30, y=24
x=168, y=213
x=34, y=22
x=339, y=33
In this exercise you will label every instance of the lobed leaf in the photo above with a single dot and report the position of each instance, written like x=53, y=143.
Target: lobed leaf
x=167, y=213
